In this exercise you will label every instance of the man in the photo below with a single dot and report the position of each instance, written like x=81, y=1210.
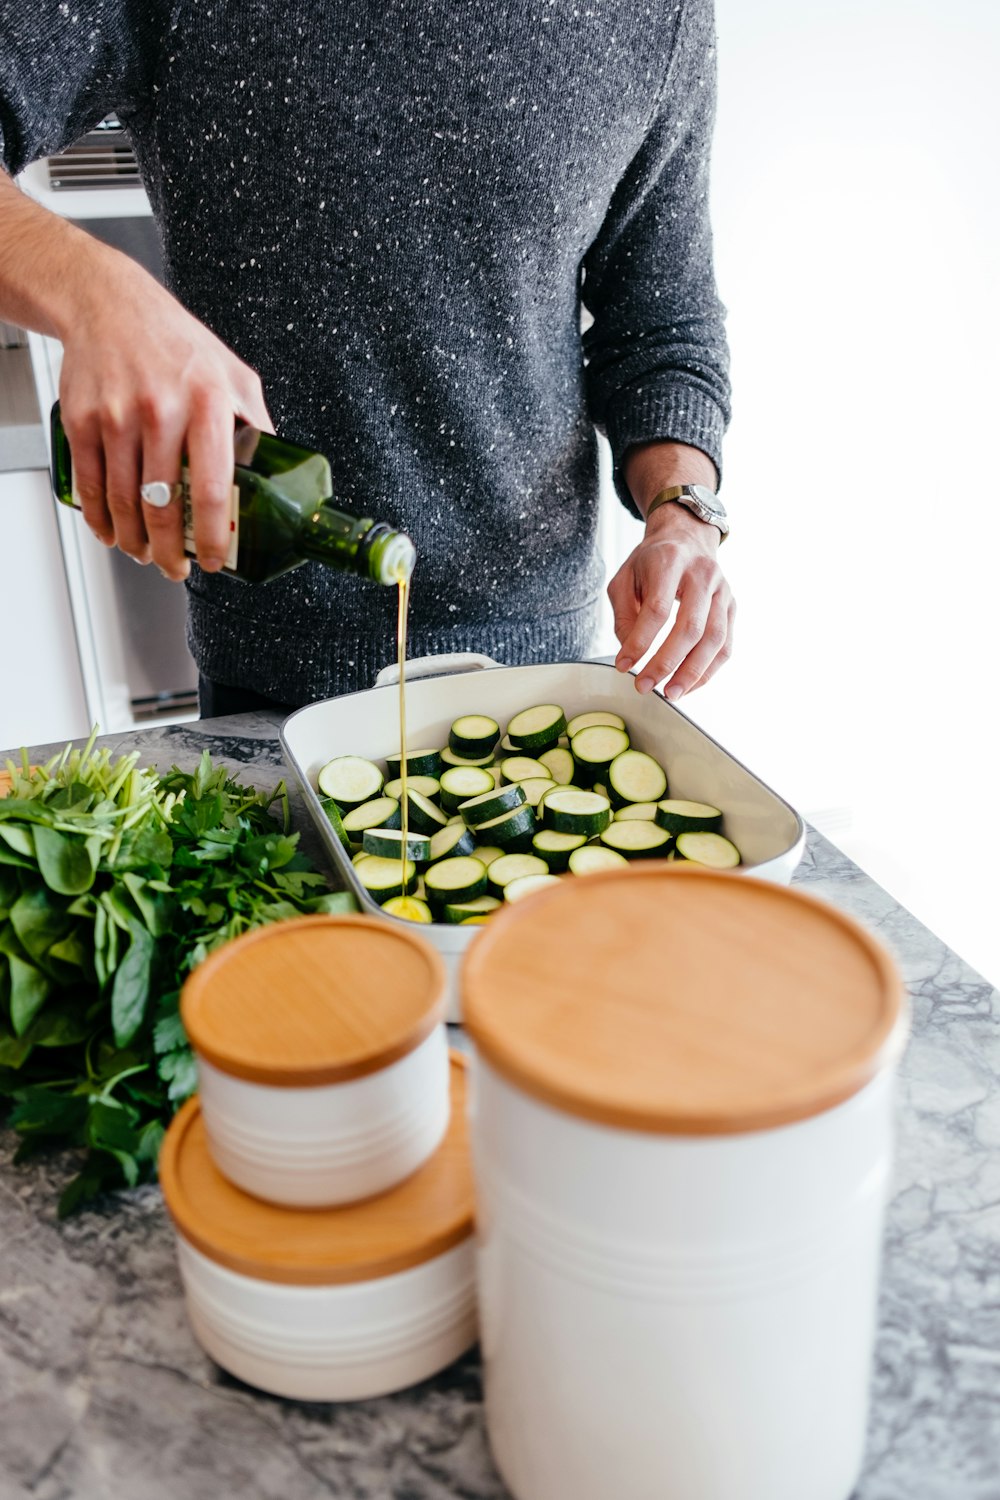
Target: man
x=384, y=215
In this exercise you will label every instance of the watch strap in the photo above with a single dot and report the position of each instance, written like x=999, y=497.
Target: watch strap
x=681, y=494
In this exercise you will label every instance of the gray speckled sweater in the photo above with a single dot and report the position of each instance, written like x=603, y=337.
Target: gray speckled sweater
x=392, y=209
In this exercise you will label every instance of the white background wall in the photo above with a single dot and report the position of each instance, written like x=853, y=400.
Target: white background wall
x=856, y=198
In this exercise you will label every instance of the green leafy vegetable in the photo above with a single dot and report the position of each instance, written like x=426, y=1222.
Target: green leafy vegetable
x=115, y=882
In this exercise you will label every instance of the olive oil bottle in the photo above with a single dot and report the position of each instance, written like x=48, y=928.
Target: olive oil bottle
x=282, y=513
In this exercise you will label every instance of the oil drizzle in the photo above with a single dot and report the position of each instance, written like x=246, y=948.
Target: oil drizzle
x=404, y=806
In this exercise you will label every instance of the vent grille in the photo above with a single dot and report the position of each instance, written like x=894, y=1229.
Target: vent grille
x=101, y=159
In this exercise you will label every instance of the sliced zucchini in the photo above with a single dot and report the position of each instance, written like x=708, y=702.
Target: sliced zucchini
x=559, y=787
x=454, y=838
x=481, y=907
x=389, y=843
x=473, y=735
x=515, y=889
x=409, y=907
x=449, y=758
x=358, y=856
x=634, y=776
x=577, y=812
x=709, y=849
x=601, y=790
x=350, y=780
x=506, y=746
x=450, y=881
x=594, y=748
x=428, y=786
x=474, y=921
x=678, y=816
x=511, y=830
x=556, y=848
x=594, y=716
x=515, y=867
x=459, y=783
x=336, y=821
x=487, y=853
x=381, y=812
x=535, y=787
x=644, y=812
x=492, y=804
x=637, y=839
x=382, y=878
x=418, y=763
x=593, y=858
x=521, y=768
x=423, y=816
x=536, y=728
x=560, y=765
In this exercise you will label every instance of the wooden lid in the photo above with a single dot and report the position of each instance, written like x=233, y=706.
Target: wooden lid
x=314, y=1000
x=682, y=1001
x=412, y=1223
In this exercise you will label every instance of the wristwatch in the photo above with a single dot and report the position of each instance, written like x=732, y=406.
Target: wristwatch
x=699, y=500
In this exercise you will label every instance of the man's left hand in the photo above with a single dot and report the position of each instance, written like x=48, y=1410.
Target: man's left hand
x=676, y=560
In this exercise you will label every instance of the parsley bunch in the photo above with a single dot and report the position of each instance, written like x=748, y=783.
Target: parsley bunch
x=114, y=883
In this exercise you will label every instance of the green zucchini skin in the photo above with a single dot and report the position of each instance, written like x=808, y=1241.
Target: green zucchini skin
x=379, y=812
x=481, y=810
x=577, y=812
x=459, y=783
x=555, y=848
x=418, y=763
x=512, y=831
x=473, y=735
x=424, y=817
x=678, y=816
x=381, y=877
x=637, y=840
x=452, y=840
x=388, y=842
x=350, y=780
x=336, y=821
x=537, y=728
x=455, y=880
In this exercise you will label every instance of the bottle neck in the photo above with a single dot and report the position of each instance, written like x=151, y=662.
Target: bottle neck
x=357, y=543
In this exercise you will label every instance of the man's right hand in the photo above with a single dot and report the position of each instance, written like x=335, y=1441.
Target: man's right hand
x=143, y=383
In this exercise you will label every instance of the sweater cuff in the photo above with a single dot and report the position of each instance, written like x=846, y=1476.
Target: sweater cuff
x=669, y=413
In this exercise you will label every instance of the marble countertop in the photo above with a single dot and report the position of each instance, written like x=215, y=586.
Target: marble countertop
x=105, y=1395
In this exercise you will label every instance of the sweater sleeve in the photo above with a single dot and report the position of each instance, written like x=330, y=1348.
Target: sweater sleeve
x=657, y=360
x=64, y=66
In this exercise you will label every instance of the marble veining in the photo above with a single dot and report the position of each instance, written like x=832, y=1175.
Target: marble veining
x=104, y=1395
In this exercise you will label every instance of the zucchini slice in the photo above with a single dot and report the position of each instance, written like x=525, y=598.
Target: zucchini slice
x=594, y=857
x=333, y=814
x=515, y=867
x=559, y=787
x=411, y=908
x=388, y=842
x=459, y=783
x=350, y=780
x=560, y=765
x=381, y=877
x=595, y=716
x=577, y=812
x=709, y=849
x=635, y=777
x=418, y=763
x=473, y=735
x=382, y=812
x=556, y=848
x=594, y=748
x=487, y=853
x=511, y=830
x=454, y=838
x=449, y=758
x=424, y=817
x=536, y=728
x=460, y=911
x=515, y=889
x=491, y=804
x=521, y=768
x=535, y=787
x=428, y=786
x=462, y=878
x=474, y=921
x=637, y=839
x=678, y=816
x=645, y=812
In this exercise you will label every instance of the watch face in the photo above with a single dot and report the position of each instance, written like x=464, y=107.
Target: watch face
x=707, y=497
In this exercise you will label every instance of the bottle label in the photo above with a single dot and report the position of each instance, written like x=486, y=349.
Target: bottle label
x=234, y=521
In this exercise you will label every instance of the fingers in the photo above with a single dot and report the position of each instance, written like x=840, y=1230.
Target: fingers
x=723, y=655
x=250, y=404
x=625, y=606
x=697, y=645
x=122, y=467
x=210, y=465
x=84, y=437
x=657, y=578
x=162, y=445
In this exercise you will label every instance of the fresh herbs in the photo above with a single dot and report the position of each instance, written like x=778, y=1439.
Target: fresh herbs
x=114, y=883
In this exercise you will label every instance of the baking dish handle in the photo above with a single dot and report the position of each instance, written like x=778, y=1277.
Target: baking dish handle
x=435, y=666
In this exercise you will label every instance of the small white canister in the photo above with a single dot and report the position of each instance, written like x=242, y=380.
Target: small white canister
x=681, y=1124
x=322, y=1057
x=335, y=1304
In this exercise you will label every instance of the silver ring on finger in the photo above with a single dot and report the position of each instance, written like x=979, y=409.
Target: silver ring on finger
x=159, y=494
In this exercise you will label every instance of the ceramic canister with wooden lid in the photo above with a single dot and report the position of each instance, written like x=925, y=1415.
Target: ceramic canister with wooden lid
x=322, y=1057
x=333, y=1304
x=681, y=1115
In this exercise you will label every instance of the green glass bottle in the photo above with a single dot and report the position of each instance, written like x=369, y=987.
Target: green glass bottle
x=282, y=513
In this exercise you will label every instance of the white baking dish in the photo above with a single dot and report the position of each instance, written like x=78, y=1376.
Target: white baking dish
x=768, y=832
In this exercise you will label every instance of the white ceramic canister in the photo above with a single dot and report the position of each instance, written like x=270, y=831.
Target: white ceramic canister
x=681, y=1124
x=335, y=1304
x=322, y=1057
